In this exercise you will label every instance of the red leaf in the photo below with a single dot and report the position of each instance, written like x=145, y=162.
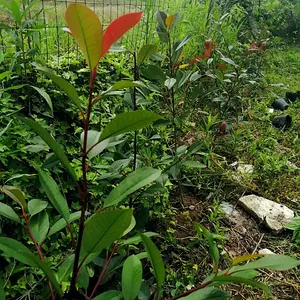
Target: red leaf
x=117, y=28
x=208, y=48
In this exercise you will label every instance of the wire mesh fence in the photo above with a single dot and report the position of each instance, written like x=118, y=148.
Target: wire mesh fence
x=42, y=32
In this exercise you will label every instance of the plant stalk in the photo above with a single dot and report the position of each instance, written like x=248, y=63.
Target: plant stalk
x=38, y=248
x=83, y=189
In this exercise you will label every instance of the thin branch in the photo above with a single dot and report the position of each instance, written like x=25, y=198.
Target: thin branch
x=38, y=248
x=103, y=271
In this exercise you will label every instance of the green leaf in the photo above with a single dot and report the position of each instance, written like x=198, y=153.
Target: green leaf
x=156, y=262
x=145, y=52
x=36, y=205
x=124, y=84
x=14, y=193
x=234, y=279
x=109, y=295
x=213, y=249
x=87, y=30
x=2, y=293
x=182, y=43
x=145, y=292
x=48, y=139
x=272, y=262
x=7, y=212
x=18, y=251
x=193, y=164
x=39, y=226
x=102, y=229
x=131, y=277
x=208, y=293
x=229, y=61
x=131, y=226
x=137, y=238
x=53, y=192
x=6, y=128
x=44, y=95
x=153, y=72
x=169, y=83
x=130, y=184
x=84, y=278
x=63, y=84
x=128, y=121
x=61, y=224
x=65, y=269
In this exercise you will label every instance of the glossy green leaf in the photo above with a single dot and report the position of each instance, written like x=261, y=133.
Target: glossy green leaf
x=234, y=279
x=39, y=226
x=169, y=83
x=124, y=84
x=53, y=192
x=2, y=292
x=145, y=53
x=213, y=249
x=45, y=96
x=61, y=224
x=208, y=293
x=84, y=278
x=131, y=226
x=130, y=184
x=19, y=252
x=48, y=139
x=87, y=30
x=156, y=262
x=36, y=205
x=63, y=84
x=110, y=295
x=137, y=238
x=102, y=229
x=272, y=262
x=153, y=72
x=7, y=212
x=15, y=194
x=65, y=269
x=128, y=121
x=131, y=277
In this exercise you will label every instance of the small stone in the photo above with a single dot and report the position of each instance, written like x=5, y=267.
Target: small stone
x=245, y=169
x=191, y=207
x=265, y=251
x=274, y=215
x=234, y=217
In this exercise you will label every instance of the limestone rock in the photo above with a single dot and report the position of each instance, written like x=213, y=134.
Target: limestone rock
x=273, y=214
x=265, y=251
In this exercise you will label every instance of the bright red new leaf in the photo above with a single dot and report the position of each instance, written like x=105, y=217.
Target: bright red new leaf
x=118, y=28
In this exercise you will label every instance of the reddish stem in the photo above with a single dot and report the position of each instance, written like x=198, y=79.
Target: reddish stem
x=103, y=271
x=83, y=186
x=38, y=248
x=72, y=236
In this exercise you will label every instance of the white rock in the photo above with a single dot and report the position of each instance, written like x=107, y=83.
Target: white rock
x=273, y=214
x=265, y=251
x=234, y=216
x=245, y=169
